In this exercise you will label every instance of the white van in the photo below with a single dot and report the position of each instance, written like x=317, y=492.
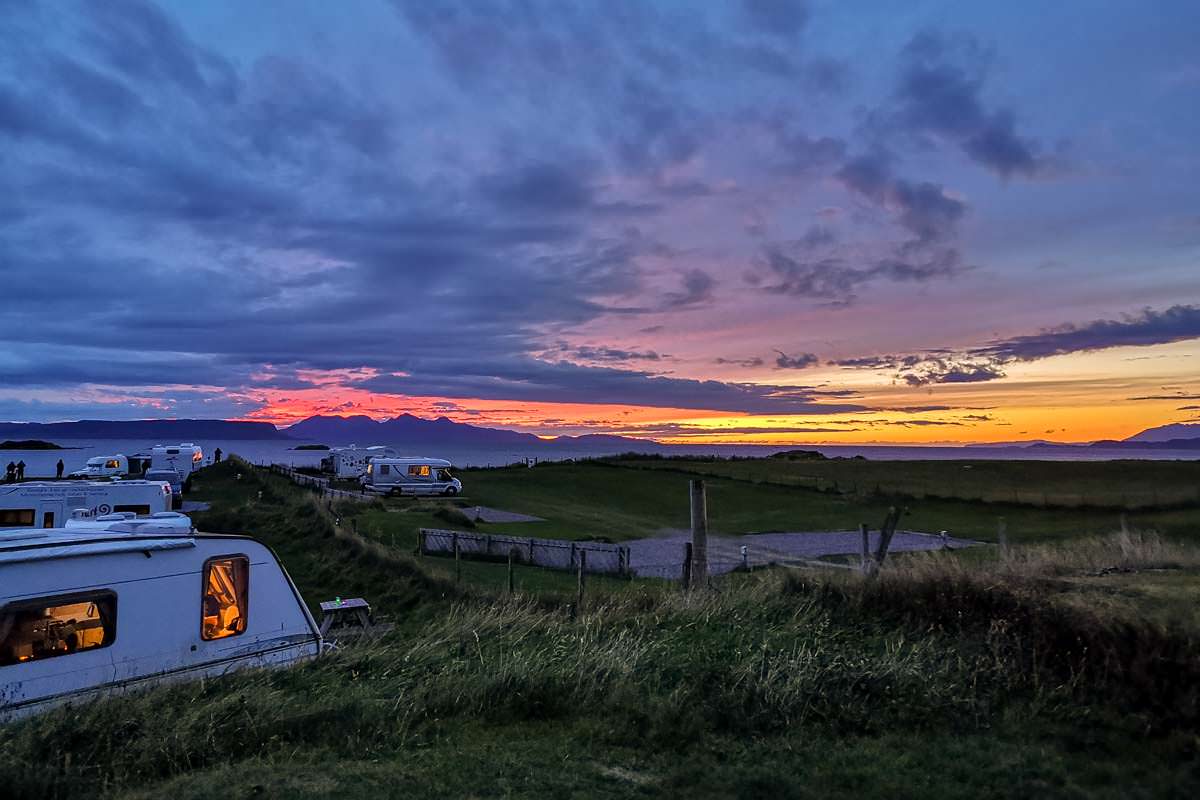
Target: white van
x=46, y=504
x=415, y=476
x=96, y=611
x=351, y=462
x=183, y=458
x=103, y=467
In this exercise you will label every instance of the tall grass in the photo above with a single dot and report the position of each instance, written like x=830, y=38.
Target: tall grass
x=934, y=644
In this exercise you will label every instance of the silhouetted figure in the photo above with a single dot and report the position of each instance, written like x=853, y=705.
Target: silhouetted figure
x=21, y=470
x=10, y=472
x=217, y=456
x=59, y=469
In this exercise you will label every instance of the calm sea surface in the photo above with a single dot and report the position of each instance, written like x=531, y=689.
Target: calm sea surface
x=42, y=462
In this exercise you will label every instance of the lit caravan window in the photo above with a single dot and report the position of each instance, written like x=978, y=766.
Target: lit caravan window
x=419, y=471
x=112, y=463
x=16, y=517
x=57, y=626
x=223, y=606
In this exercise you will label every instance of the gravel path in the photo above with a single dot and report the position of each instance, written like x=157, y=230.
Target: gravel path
x=662, y=556
x=485, y=514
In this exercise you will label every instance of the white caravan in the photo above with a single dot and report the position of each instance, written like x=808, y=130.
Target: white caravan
x=416, y=476
x=46, y=504
x=91, y=612
x=351, y=462
x=103, y=467
x=183, y=458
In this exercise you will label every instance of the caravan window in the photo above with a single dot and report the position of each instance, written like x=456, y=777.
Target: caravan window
x=57, y=626
x=418, y=471
x=16, y=517
x=112, y=463
x=384, y=469
x=223, y=603
x=143, y=510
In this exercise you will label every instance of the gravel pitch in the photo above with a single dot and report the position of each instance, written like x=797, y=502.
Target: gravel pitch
x=662, y=556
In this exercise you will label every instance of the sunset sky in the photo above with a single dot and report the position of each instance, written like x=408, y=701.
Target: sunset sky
x=757, y=221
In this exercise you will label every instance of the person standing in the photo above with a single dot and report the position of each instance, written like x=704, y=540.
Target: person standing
x=59, y=469
x=10, y=472
x=21, y=470
x=217, y=456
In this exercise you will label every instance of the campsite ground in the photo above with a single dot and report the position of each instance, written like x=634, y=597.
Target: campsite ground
x=1069, y=670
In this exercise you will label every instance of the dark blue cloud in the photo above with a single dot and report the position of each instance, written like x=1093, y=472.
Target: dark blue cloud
x=940, y=94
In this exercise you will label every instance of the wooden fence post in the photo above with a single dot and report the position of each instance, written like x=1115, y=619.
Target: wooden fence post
x=866, y=548
x=531, y=550
x=572, y=556
x=420, y=541
x=511, y=552
x=1002, y=537
x=579, y=587
x=699, y=508
x=687, y=566
x=457, y=563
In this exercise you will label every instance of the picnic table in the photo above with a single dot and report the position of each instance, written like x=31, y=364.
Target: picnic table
x=351, y=611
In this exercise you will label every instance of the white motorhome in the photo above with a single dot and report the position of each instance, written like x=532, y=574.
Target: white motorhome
x=91, y=612
x=351, y=462
x=183, y=458
x=46, y=504
x=103, y=467
x=414, y=475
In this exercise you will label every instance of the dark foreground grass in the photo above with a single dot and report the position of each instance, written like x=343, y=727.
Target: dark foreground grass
x=937, y=680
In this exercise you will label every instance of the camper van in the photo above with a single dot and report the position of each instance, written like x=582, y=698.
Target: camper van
x=88, y=612
x=351, y=462
x=46, y=504
x=103, y=467
x=415, y=476
x=183, y=458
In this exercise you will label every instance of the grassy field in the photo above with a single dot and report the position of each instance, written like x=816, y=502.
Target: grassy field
x=1113, y=485
x=627, y=500
x=1068, y=670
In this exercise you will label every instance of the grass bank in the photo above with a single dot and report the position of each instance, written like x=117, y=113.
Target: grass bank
x=945, y=677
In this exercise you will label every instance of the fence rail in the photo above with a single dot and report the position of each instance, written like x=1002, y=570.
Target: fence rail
x=602, y=559
x=321, y=485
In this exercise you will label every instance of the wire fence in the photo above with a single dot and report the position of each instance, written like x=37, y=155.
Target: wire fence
x=600, y=559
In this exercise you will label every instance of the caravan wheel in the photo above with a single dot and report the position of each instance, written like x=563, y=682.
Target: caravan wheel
x=450, y=492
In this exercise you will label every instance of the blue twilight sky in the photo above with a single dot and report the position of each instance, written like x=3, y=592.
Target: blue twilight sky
x=863, y=220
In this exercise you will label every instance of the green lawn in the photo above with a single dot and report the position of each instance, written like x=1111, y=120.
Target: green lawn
x=1118, y=485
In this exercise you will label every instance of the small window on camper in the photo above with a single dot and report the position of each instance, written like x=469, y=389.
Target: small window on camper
x=57, y=626
x=142, y=510
x=418, y=471
x=16, y=517
x=223, y=604
x=112, y=463
x=384, y=469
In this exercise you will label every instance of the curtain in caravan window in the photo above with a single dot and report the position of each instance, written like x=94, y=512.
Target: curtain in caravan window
x=16, y=517
x=223, y=603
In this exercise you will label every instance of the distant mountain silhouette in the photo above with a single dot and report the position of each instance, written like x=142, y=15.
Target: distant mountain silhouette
x=1166, y=433
x=410, y=430
x=166, y=430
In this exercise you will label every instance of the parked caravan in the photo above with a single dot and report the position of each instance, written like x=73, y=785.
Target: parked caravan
x=46, y=504
x=183, y=458
x=171, y=477
x=351, y=462
x=103, y=467
x=89, y=612
x=415, y=476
